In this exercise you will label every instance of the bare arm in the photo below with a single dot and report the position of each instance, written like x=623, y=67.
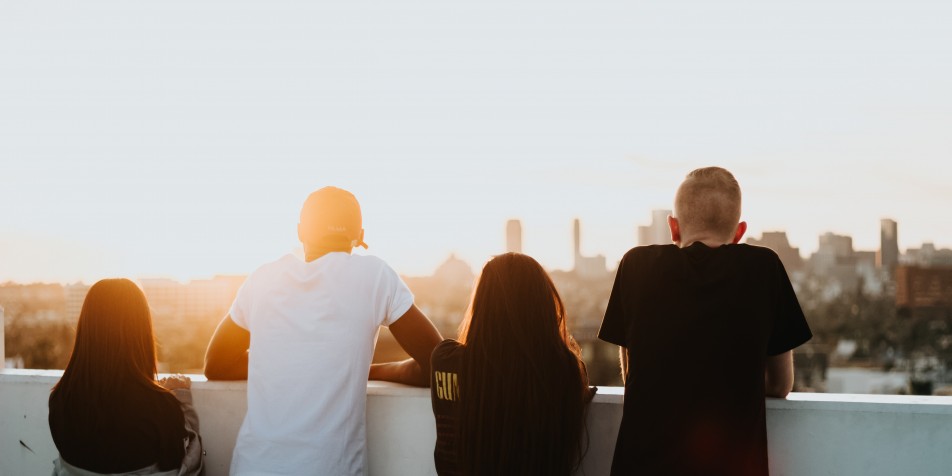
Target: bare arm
x=416, y=335
x=227, y=354
x=778, y=381
x=623, y=361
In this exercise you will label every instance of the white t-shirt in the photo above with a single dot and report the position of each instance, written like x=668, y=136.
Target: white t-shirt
x=313, y=330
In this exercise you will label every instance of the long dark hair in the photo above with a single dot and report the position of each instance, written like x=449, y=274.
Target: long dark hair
x=523, y=383
x=115, y=346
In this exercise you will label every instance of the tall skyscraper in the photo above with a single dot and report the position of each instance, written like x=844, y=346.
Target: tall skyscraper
x=577, y=240
x=586, y=267
x=657, y=233
x=888, y=256
x=514, y=236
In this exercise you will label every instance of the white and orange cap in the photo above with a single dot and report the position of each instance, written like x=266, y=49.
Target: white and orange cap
x=331, y=216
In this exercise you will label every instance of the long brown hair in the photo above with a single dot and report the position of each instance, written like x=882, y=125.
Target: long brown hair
x=523, y=383
x=115, y=346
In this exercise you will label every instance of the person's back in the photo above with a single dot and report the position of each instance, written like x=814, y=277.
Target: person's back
x=132, y=429
x=303, y=331
x=313, y=327
x=509, y=396
x=108, y=414
x=708, y=326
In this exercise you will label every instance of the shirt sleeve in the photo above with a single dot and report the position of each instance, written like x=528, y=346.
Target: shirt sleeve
x=789, y=328
x=241, y=307
x=395, y=294
x=615, y=325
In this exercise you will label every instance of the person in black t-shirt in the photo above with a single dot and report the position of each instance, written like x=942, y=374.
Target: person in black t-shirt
x=706, y=328
x=509, y=396
x=108, y=414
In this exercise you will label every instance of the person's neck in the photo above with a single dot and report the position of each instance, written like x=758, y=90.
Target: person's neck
x=708, y=241
x=311, y=254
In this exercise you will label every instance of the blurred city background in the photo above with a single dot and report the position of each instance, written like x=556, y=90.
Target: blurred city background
x=882, y=318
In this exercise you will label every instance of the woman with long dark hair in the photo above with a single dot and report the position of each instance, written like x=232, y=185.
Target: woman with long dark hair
x=509, y=397
x=108, y=413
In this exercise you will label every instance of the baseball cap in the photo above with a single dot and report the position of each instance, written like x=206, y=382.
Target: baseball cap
x=331, y=216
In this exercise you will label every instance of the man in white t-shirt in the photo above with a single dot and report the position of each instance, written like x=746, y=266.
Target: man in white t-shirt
x=302, y=332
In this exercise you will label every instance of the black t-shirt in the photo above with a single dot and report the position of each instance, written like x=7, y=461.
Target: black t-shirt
x=445, y=382
x=444, y=393
x=137, y=428
x=698, y=323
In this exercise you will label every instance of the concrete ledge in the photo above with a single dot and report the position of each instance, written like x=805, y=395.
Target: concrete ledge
x=809, y=434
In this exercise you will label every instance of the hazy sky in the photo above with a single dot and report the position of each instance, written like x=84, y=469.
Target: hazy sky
x=180, y=138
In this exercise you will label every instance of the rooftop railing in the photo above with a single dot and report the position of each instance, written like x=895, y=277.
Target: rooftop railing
x=808, y=434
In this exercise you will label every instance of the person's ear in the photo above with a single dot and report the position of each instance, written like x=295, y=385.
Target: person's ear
x=739, y=233
x=675, y=229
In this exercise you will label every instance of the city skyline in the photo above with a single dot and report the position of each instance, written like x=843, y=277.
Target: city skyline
x=512, y=241
x=180, y=141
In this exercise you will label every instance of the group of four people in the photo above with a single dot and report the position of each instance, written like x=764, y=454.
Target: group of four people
x=705, y=326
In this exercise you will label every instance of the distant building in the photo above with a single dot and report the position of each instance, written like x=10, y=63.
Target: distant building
x=834, y=254
x=577, y=240
x=455, y=272
x=586, y=267
x=924, y=287
x=444, y=296
x=200, y=298
x=872, y=278
x=211, y=297
x=927, y=256
x=657, y=233
x=840, y=246
x=514, y=236
x=166, y=297
x=835, y=261
x=778, y=242
x=75, y=296
x=846, y=270
x=37, y=302
x=888, y=256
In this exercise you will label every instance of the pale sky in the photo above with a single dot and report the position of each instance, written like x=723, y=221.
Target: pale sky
x=180, y=138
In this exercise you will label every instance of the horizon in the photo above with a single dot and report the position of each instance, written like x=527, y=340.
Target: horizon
x=180, y=140
x=611, y=265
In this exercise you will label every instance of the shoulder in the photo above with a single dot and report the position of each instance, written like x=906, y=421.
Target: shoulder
x=756, y=254
x=168, y=398
x=366, y=264
x=284, y=262
x=649, y=251
x=449, y=349
x=154, y=404
x=371, y=272
x=271, y=268
x=754, y=250
x=643, y=255
x=369, y=261
x=167, y=404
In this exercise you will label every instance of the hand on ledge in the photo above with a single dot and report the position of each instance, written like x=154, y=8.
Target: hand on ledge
x=175, y=381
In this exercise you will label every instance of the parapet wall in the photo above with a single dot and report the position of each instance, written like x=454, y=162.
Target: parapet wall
x=808, y=434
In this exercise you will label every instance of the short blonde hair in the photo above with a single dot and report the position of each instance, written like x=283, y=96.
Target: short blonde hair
x=708, y=201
